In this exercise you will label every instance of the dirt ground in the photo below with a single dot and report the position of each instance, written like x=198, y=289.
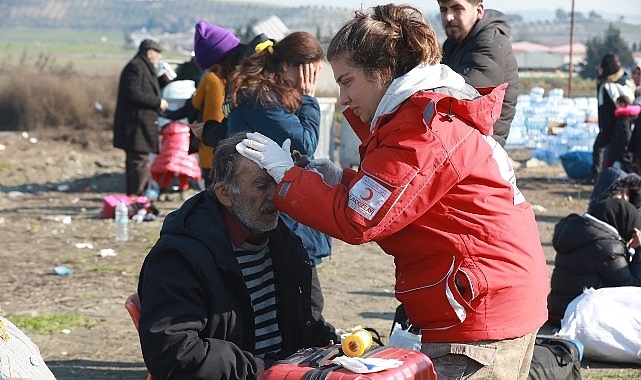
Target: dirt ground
x=51, y=192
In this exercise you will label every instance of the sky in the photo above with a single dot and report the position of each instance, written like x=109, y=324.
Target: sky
x=629, y=8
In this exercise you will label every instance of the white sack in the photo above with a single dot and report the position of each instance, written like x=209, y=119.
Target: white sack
x=608, y=323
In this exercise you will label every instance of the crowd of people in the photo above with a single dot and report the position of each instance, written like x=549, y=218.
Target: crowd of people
x=231, y=285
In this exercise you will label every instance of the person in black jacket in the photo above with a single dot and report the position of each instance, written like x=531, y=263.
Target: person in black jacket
x=138, y=106
x=612, y=82
x=478, y=47
x=226, y=290
x=596, y=250
x=621, y=147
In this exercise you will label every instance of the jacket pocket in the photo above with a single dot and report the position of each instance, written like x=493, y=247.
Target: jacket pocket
x=434, y=300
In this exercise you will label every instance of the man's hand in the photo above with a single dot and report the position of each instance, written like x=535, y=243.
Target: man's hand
x=332, y=174
x=267, y=154
x=163, y=105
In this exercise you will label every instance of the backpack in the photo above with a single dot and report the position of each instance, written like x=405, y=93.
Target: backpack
x=556, y=358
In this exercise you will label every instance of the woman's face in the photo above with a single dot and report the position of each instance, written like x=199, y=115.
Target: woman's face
x=357, y=91
x=291, y=73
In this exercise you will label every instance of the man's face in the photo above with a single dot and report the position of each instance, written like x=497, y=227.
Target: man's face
x=154, y=57
x=458, y=17
x=253, y=204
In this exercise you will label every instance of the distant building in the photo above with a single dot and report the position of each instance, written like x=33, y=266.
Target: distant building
x=272, y=27
x=538, y=57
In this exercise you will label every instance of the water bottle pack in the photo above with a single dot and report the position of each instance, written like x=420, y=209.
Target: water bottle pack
x=535, y=113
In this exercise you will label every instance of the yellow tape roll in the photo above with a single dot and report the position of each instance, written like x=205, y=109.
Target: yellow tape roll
x=357, y=343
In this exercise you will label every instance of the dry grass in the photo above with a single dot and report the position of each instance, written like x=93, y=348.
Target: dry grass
x=46, y=97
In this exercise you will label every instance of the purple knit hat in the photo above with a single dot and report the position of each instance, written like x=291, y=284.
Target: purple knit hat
x=212, y=43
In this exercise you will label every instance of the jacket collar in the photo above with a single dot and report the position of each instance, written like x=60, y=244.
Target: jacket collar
x=600, y=222
x=422, y=77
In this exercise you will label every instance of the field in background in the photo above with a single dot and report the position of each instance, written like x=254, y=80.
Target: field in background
x=91, y=52
x=105, y=53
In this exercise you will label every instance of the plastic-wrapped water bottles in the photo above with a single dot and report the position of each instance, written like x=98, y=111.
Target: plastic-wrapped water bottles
x=122, y=222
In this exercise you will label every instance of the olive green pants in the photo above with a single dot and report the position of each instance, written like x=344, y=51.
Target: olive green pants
x=498, y=359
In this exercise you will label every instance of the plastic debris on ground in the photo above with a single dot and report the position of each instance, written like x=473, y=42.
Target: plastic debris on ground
x=105, y=252
x=62, y=270
x=538, y=209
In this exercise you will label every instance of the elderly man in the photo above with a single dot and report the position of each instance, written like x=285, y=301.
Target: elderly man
x=138, y=106
x=226, y=290
x=478, y=47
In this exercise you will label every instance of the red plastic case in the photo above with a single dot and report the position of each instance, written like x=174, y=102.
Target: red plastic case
x=316, y=364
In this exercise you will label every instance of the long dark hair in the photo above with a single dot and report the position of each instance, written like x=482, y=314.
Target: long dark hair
x=261, y=74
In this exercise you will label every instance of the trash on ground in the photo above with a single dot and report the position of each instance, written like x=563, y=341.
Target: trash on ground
x=62, y=270
x=107, y=252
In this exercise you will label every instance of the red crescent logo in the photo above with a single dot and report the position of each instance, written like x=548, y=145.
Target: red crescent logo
x=369, y=196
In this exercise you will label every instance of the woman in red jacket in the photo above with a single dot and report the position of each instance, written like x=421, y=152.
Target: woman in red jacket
x=433, y=189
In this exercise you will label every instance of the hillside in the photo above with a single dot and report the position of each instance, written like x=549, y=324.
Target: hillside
x=171, y=16
x=161, y=17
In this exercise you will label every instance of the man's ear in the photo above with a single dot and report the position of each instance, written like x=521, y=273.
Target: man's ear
x=480, y=11
x=223, y=194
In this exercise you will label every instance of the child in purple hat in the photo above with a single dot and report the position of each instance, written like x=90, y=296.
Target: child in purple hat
x=212, y=44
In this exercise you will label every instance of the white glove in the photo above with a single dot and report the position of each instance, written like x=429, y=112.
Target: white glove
x=332, y=174
x=267, y=154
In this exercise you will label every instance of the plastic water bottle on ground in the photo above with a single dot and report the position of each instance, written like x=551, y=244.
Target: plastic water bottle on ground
x=122, y=222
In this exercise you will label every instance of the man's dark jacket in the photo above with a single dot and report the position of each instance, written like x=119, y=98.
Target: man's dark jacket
x=197, y=320
x=589, y=254
x=485, y=59
x=137, y=107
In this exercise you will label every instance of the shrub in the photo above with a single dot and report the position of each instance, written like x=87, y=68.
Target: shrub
x=33, y=99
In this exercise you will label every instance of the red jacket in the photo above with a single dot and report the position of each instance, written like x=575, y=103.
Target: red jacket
x=441, y=198
x=173, y=156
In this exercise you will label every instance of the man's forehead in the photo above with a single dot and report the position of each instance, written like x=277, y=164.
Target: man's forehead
x=245, y=166
x=248, y=171
x=450, y=3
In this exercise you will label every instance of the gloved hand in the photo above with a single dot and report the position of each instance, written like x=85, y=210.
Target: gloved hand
x=267, y=154
x=332, y=174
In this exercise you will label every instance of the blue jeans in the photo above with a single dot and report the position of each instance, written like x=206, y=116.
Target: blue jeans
x=507, y=359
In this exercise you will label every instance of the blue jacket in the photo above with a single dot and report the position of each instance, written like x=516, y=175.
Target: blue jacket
x=302, y=128
x=278, y=123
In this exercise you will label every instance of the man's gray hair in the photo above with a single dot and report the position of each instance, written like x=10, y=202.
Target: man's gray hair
x=225, y=161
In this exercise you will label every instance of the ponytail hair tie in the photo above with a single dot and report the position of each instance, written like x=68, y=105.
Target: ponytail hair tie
x=269, y=45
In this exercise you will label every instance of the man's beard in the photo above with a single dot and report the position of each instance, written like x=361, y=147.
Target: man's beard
x=257, y=221
x=455, y=34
